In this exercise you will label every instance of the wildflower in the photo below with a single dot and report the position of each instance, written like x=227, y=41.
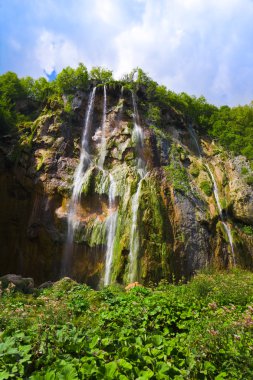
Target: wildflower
x=212, y=305
x=213, y=332
x=248, y=321
x=250, y=308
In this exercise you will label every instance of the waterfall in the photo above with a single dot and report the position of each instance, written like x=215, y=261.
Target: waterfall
x=111, y=221
x=103, y=139
x=111, y=224
x=215, y=191
x=216, y=196
x=83, y=165
x=224, y=223
x=193, y=135
x=138, y=136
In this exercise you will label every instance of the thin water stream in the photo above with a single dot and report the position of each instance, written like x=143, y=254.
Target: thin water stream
x=111, y=224
x=103, y=139
x=216, y=196
x=138, y=137
x=83, y=165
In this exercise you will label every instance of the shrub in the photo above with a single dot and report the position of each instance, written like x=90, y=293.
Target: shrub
x=206, y=187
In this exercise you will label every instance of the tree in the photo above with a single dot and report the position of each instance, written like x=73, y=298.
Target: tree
x=70, y=80
x=100, y=74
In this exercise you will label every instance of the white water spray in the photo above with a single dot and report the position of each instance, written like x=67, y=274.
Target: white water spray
x=83, y=165
x=138, y=136
x=103, y=139
x=111, y=224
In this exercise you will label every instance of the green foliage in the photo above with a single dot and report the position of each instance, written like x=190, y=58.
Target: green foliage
x=249, y=180
x=194, y=171
x=199, y=330
x=176, y=172
x=101, y=75
x=11, y=91
x=231, y=127
x=244, y=170
x=206, y=187
x=154, y=114
x=70, y=80
x=248, y=230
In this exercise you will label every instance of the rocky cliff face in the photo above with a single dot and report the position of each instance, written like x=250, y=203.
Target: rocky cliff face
x=167, y=219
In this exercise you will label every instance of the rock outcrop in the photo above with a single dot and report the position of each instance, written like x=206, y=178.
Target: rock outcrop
x=179, y=228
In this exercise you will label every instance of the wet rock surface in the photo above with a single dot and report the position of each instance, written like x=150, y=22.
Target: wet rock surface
x=178, y=220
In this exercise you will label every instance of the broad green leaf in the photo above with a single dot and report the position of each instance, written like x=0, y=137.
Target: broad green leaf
x=124, y=364
x=110, y=369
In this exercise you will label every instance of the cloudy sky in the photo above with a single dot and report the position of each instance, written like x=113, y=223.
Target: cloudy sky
x=197, y=46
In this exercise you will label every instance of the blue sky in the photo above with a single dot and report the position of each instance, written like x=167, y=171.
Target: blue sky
x=197, y=46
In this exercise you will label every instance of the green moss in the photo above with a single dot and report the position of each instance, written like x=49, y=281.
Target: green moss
x=194, y=171
x=177, y=175
x=88, y=183
x=93, y=233
x=244, y=170
x=225, y=180
x=206, y=187
x=248, y=230
x=249, y=180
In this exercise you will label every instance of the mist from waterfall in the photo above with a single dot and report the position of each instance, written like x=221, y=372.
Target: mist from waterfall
x=80, y=171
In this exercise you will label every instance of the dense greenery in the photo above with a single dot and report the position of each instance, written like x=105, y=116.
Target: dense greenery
x=199, y=330
x=232, y=127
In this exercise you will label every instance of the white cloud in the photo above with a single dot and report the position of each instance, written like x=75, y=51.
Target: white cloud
x=196, y=46
x=108, y=11
x=189, y=45
x=54, y=51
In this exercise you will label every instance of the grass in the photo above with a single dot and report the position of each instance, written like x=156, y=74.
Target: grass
x=199, y=330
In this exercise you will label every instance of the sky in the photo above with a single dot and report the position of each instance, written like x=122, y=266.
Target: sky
x=202, y=47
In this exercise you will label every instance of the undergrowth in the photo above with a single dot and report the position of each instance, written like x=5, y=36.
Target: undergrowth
x=199, y=330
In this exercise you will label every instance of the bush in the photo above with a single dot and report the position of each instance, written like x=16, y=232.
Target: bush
x=197, y=330
x=207, y=188
x=249, y=180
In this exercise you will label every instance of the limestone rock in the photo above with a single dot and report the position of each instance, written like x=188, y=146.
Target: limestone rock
x=25, y=285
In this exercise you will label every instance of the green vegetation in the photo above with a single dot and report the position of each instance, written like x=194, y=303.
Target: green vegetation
x=249, y=180
x=206, y=187
x=194, y=171
x=231, y=127
x=199, y=330
x=176, y=172
x=248, y=230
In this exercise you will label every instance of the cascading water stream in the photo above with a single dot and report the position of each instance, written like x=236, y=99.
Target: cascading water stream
x=216, y=196
x=138, y=136
x=83, y=165
x=215, y=191
x=103, y=139
x=224, y=223
x=111, y=224
x=111, y=221
x=193, y=135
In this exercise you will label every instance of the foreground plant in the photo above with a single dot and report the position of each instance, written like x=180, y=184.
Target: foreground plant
x=199, y=330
